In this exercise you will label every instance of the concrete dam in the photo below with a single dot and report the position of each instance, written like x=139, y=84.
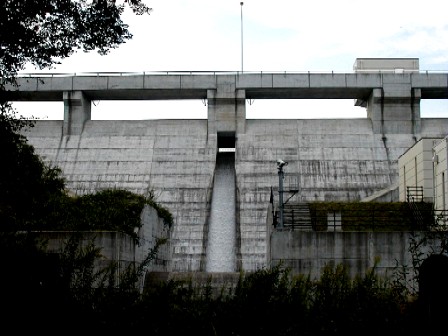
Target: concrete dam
x=186, y=163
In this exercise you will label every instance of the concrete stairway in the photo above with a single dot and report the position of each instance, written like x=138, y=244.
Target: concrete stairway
x=296, y=216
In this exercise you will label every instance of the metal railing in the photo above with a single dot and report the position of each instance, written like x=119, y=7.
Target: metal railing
x=414, y=194
x=373, y=220
x=207, y=72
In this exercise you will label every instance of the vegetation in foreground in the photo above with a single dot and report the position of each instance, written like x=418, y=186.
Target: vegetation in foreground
x=65, y=293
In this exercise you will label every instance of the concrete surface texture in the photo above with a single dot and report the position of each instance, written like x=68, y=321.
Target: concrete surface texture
x=120, y=248
x=340, y=159
x=308, y=253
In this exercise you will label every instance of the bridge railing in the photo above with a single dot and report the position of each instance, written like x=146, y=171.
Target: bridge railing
x=205, y=72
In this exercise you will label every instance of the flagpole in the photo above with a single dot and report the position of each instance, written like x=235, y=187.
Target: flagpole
x=241, y=4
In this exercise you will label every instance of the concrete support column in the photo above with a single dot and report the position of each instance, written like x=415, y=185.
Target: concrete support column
x=240, y=102
x=77, y=110
x=226, y=107
x=395, y=108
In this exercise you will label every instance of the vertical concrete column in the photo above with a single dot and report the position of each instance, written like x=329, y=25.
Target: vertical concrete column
x=211, y=112
x=240, y=103
x=395, y=107
x=77, y=110
x=226, y=107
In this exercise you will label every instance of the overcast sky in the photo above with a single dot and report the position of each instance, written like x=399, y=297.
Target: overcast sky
x=281, y=35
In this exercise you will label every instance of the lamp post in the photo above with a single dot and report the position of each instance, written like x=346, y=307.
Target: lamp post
x=241, y=4
x=281, y=176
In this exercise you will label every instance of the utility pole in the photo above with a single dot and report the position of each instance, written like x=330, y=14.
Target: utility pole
x=281, y=176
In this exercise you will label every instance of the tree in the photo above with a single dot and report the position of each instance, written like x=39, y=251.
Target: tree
x=27, y=184
x=42, y=32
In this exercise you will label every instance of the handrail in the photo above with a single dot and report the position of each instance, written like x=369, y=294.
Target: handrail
x=206, y=72
x=372, y=220
x=412, y=193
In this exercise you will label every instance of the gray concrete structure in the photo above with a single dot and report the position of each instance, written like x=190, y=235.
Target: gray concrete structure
x=332, y=159
x=384, y=65
x=440, y=164
x=120, y=248
x=309, y=252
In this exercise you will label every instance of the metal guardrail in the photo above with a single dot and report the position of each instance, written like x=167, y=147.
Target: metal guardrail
x=372, y=221
x=214, y=73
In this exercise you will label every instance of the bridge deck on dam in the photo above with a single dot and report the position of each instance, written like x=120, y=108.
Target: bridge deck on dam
x=195, y=85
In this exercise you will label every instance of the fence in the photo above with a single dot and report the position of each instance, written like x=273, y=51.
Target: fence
x=372, y=217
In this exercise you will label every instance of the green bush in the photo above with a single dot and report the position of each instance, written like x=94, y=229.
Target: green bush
x=106, y=210
x=68, y=291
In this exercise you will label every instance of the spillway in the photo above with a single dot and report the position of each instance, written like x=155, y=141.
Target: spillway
x=222, y=231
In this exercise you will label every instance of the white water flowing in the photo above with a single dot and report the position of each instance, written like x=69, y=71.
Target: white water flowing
x=222, y=231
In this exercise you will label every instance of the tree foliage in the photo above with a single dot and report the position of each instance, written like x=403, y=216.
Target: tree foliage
x=275, y=302
x=51, y=292
x=42, y=32
x=105, y=210
x=66, y=288
x=26, y=182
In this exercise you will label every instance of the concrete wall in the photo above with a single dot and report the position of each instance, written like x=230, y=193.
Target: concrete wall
x=120, y=247
x=309, y=252
x=328, y=160
x=153, y=228
x=425, y=165
x=173, y=159
x=416, y=169
x=441, y=176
